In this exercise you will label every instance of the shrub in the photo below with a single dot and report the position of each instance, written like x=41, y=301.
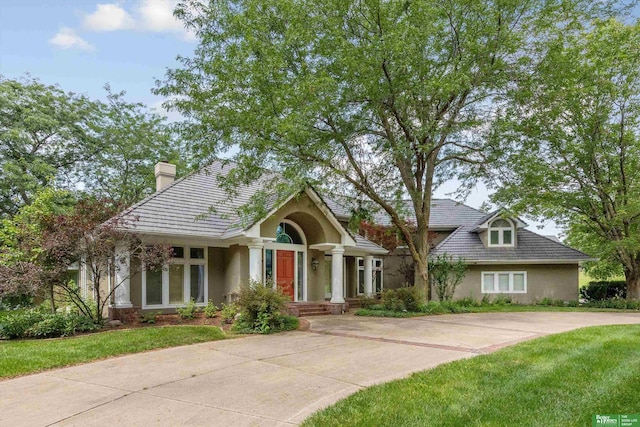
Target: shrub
x=228, y=312
x=486, y=299
x=468, y=302
x=390, y=301
x=604, y=290
x=545, y=301
x=188, y=311
x=35, y=323
x=502, y=299
x=210, y=310
x=367, y=301
x=617, y=303
x=289, y=323
x=261, y=307
x=410, y=297
x=149, y=317
x=446, y=273
x=573, y=303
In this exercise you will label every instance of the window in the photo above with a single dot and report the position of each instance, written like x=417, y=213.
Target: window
x=504, y=282
x=377, y=275
x=286, y=233
x=501, y=233
x=184, y=279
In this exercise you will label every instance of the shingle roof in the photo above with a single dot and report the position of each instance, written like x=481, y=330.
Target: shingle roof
x=530, y=246
x=184, y=206
x=445, y=213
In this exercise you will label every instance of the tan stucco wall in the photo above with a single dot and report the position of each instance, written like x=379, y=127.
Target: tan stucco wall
x=543, y=281
x=216, y=271
x=237, y=268
x=304, y=212
x=315, y=279
x=135, y=284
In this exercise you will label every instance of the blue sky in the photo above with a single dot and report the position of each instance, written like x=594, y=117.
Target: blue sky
x=83, y=44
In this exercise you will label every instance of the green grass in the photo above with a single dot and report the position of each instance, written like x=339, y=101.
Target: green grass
x=559, y=380
x=22, y=357
x=519, y=308
x=584, y=278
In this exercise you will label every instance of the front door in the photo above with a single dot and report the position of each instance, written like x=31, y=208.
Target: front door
x=285, y=270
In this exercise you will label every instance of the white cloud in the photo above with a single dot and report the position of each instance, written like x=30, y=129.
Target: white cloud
x=108, y=17
x=67, y=38
x=144, y=15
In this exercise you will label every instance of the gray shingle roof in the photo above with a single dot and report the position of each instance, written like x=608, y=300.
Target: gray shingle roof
x=530, y=247
x=183, y=207
x=445, y=213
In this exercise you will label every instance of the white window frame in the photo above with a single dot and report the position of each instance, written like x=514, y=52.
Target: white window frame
x=495, y=282
x=373, y=274
x=501, y=231
x=187, y=261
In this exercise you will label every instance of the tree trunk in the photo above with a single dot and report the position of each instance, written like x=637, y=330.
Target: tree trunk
x=421, y=277
x=632, y=277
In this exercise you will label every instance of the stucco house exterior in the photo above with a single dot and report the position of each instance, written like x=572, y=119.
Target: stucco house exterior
x=304, y=246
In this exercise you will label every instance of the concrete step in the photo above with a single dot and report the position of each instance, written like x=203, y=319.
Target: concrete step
x=314, y=313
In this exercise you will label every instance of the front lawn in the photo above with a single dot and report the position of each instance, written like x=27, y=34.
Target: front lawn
x=559, y=380
x=22, y=357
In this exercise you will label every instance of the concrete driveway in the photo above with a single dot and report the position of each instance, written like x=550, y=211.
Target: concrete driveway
x=268, y=380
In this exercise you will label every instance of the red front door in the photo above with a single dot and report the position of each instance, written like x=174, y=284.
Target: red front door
x=285, y=263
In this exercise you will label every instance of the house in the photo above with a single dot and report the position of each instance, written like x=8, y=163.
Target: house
x=304, y=246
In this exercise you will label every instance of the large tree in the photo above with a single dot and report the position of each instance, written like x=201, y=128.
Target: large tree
x=381, y=97
x=569, y=144
x=44, y=133
x=49, y=137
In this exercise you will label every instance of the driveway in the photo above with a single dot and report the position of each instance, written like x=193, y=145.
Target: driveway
x=268, y=380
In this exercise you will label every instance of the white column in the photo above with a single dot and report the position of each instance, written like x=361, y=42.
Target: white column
x=368, y=275
x=337, y=275
x=122, y=268
x=255, y=261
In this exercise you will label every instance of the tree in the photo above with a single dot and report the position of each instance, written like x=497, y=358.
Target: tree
x=446, y=272
x=25, y=268
x=49, y=137
x=90, y=235
x=132, y=139
x=568, y=146
x=378, y=98
x=42, y=242
x=44, y=133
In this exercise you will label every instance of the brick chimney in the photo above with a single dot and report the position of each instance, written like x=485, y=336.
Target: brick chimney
x=165, y=174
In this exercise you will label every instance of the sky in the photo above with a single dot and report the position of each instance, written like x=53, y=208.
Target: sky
x=81, y=45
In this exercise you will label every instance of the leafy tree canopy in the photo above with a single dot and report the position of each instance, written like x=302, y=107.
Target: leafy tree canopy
x=383, y=99
x=568, y=145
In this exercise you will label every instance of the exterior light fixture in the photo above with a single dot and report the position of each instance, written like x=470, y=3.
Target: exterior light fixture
x=314, y=264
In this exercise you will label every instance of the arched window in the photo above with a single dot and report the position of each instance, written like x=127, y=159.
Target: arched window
x=286, y=233
x=501, y=233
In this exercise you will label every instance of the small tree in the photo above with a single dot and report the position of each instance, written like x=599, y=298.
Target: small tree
x=90, y=235
x=446, y=273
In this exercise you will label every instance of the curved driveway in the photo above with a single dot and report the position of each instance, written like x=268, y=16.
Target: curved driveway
x=268, y=380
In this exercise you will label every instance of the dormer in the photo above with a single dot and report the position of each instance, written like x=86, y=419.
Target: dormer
x=499, y=230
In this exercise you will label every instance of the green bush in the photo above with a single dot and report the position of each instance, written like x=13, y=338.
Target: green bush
x=35, y=323
x=228, y=312
x=366, y=301
x=210, y=310
x=618, y=303
x=468, y=302
x=188, y=311
x=410, y=297
x=390, y=301
x=604, y=290
x=502, y=299
x=261, y=308
x=149, y=317
x=545, y=301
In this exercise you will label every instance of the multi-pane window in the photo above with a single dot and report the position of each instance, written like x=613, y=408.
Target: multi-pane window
x=501, y=233
x=377, y=275
x=504, y=282
x=183, y=280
